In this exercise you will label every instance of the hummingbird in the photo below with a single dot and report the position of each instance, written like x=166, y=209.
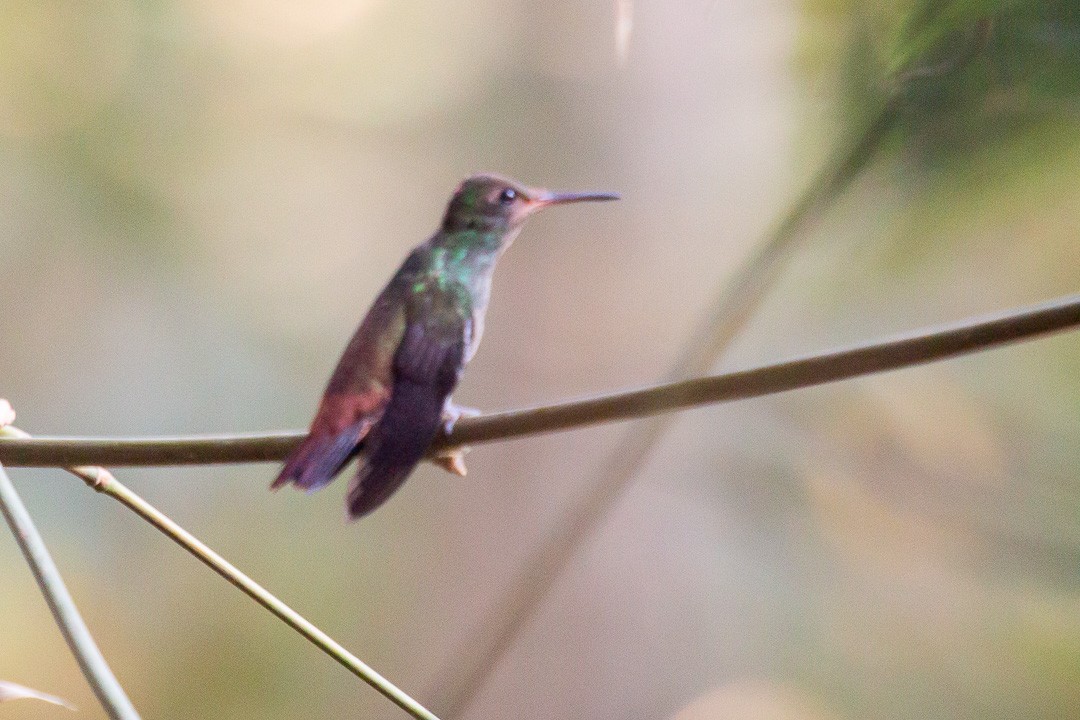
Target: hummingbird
x=390, y=394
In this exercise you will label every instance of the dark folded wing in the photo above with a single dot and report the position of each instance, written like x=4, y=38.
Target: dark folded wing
x=426, y=368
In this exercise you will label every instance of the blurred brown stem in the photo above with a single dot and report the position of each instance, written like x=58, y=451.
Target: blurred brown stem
x=732, y=309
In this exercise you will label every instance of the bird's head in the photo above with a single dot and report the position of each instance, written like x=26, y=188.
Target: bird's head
x=495, y=203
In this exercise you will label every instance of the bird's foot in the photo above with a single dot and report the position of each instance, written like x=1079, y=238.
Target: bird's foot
x=452, y=413
x=452, y=461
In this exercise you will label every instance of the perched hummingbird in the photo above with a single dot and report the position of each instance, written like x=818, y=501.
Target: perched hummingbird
x=391, y=389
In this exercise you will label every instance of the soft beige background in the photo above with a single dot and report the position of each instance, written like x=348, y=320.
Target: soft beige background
x=201, y=198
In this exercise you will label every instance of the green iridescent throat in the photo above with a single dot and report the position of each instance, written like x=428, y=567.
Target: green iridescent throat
x=466, y=252
x=463, y=257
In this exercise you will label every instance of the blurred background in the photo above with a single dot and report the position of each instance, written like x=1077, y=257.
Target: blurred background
x=200, y=199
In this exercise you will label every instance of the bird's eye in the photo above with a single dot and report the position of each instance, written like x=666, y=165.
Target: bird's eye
x=507, y=196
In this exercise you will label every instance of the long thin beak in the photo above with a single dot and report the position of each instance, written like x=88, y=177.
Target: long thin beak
x=543, y=198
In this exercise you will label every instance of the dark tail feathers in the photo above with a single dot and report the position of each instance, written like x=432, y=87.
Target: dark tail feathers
x=320, y=457
x=395, y=446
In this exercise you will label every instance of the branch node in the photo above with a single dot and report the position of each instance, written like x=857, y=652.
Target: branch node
x=97, y=478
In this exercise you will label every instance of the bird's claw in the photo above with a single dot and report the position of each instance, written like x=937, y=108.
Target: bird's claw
x=452, y=461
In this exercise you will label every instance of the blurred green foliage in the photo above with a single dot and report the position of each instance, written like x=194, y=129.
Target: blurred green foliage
x=200, y=199
x=974, y=77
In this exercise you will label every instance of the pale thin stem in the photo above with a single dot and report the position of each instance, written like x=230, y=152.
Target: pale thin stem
x=102, y=480
x=916, y=349
x=92, y=663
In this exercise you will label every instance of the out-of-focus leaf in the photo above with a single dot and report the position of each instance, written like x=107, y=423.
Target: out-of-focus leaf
x=14, y=691
x=1026, y=74
x=988, y=100
x=973, y=73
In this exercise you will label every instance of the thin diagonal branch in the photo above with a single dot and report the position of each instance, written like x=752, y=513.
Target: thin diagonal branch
x=92, y=663
x=101, y=480
x=734, y=306
x=918, y=348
